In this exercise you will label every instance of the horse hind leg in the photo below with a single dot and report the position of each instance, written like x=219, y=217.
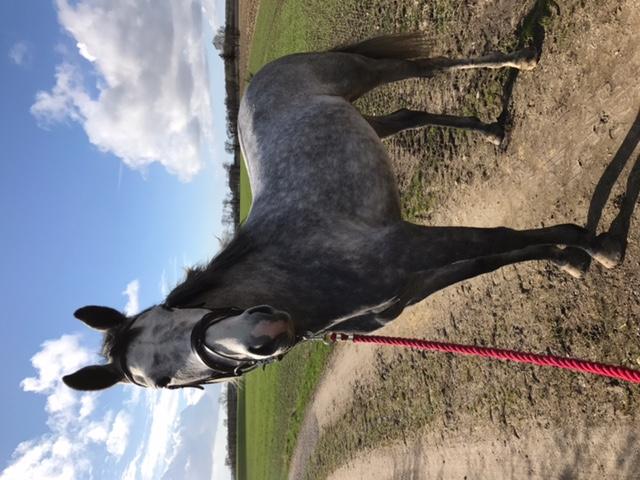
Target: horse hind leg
x=524, y=59
x=388, y=125
x=353, y=70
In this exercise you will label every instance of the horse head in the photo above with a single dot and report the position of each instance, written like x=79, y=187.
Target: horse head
x=165, y=347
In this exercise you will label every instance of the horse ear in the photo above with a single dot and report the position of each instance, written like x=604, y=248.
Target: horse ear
x=100, y=318
x=94, y=377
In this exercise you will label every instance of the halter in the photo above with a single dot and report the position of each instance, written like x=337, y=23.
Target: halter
x=222, y=366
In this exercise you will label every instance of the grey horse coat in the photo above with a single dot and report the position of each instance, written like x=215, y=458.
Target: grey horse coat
x=324, y=246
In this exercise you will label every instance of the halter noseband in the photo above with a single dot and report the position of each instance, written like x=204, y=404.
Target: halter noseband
x=217, y=362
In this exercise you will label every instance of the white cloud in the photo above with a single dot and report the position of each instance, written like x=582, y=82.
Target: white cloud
x=133, y=303
x=193, y=395
x=57, y=358
x=164, y=414
x=152, y=102
x=84, y=51
x=63, y=453
x=164, y=284
x=20, y=54
x=119, y=434
x=220, y=471
x=66, y=100
x=87, y=405
x=131, y=470
x=40, y=460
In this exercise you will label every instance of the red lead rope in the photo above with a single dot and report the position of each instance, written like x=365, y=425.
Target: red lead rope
x=574, y=364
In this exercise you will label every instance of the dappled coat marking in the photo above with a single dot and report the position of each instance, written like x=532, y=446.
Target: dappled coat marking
x=324, y=246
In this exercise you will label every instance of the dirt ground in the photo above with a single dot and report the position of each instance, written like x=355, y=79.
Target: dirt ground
x=247, y=13
x=574, y=124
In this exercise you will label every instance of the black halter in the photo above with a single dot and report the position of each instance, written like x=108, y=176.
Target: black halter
x=222, y=366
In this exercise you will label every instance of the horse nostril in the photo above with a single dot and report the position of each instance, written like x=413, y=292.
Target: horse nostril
x=263, y=350
x=266, y=309
x=163, y=382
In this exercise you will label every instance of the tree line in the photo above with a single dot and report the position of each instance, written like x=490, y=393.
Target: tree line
x=227, y=42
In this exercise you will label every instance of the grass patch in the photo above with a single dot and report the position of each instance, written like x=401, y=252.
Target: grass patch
x=271, y=407
x=417, y=201
x=245, y=191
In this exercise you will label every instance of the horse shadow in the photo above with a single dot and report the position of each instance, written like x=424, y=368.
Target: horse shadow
x=530, y=33
x=621, y=224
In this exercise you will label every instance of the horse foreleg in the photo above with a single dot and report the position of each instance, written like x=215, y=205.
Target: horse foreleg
x=420, y=284
x=424, y=283
x=434, y=247
x=403, y=119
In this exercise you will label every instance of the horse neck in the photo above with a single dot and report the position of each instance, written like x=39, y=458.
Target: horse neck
x=245, y=285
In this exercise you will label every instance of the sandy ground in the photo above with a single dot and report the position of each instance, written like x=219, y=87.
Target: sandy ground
x=570, y=117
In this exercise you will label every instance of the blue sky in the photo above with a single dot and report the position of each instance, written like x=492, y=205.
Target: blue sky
x=111, y=182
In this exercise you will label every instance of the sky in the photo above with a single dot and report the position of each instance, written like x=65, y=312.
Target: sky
x=111, y=183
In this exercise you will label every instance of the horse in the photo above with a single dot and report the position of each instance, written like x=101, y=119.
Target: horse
x=324, y=247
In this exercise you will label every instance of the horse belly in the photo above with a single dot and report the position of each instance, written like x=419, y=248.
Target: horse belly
x=318, y=154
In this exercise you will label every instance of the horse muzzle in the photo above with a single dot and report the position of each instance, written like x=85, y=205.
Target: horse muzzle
x=273, y=331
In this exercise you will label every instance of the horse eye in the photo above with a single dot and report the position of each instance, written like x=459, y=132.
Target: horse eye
x=163, y=382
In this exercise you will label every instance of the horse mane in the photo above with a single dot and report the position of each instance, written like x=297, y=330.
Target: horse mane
x=206, y=277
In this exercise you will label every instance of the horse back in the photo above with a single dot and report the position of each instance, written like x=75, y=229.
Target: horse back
x=309, y=150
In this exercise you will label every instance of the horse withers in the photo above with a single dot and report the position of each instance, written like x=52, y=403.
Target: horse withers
x=324, y=246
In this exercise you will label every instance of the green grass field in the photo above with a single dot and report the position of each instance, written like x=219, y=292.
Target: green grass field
x=271, y=408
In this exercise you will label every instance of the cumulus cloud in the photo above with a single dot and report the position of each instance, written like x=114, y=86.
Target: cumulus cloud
x=193, y=440
x=152, y=102
x=164, y=414
x=119, y=434
x=63, y=452
x=20, y=54
x=57, y=358
x=133, y=303
x=220, y=470
x=84, y=442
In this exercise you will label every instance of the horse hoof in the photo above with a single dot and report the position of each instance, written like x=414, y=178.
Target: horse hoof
x=609, y=250
x=495, y=134
x=527, y=58
x=575, y=262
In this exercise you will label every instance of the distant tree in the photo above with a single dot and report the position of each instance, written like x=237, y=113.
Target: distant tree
x=218, y=39
x=230, y=146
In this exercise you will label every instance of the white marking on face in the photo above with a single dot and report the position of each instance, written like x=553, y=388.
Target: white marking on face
x=162, y=349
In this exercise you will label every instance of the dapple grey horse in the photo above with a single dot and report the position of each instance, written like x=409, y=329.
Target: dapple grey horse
x=324, y=246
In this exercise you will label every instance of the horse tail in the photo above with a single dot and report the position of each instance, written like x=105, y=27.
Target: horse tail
x=400, y=45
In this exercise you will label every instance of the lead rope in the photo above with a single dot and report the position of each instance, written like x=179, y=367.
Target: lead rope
x=575, y=364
